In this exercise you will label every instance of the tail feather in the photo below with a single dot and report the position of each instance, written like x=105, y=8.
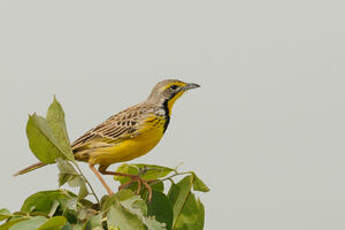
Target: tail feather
x=30, y=168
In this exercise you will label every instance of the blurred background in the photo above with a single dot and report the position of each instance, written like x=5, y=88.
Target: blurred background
x=265, y=131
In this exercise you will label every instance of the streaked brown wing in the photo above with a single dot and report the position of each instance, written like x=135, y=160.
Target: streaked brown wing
x=111, y=135
x=122, y=125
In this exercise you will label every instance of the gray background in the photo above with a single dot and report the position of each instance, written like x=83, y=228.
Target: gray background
x=265, y=131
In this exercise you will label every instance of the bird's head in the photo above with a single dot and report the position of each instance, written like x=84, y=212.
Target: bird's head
x=168, y=91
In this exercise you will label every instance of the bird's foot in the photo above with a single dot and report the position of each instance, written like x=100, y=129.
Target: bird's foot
x=140, y=181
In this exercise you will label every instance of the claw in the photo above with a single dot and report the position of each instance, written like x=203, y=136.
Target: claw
x=140, y=181
x=134, y=178
x=149, y=190
x=139, y=186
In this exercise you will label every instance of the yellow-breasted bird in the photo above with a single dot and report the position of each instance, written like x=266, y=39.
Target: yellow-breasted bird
x=128, y=134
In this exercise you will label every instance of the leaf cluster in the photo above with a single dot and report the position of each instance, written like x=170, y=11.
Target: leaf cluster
x=174, y=205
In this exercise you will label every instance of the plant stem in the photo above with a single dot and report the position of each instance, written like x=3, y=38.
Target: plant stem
x=87, y=182
x=171, y=176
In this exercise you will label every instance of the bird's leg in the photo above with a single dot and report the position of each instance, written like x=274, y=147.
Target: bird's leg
x=134, y=178
x=127, y=184
x=92, y=167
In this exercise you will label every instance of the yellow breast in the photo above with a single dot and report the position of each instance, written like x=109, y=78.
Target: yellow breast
x=127, y=149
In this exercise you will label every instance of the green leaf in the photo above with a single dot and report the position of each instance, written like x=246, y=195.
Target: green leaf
x=67, y=171
x=85, y=215
x=41, y=140
x=56, y=121
x=96, y=222
x=71, y=216
x=54, y=208
x=119, y=217
x=68, y=226
x=157, y=186
x=12, y=222
x=83, y=192
x=86, y=203
x=44, y=201
x=79, y=182
x=71, y=204
x=77, y=227
x=54, y=223
x=48, y=138
x=153, y=172
x=108, y=201
x=128, y=169
x=188, y=212
x=132, y=204
x=30, y=224
x=135, y=205
x=4, y=214
x=161, y=207
x=199, y=185
x=152, y=224
x=178, y=195
x=114, y=228
x=191, y=216
x=146, y=171
x=70, y=175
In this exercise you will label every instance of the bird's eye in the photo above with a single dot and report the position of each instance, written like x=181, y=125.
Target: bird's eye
x=173, y=87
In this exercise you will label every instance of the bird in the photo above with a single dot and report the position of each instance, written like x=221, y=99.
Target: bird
x=128, y=134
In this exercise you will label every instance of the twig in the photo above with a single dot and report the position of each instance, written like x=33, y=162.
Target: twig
x=87, y=182
x=171, y=176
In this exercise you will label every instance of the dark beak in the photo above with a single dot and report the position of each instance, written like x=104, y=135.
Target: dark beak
x=190, y=86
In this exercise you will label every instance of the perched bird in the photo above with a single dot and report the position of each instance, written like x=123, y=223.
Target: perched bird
x=128, y=134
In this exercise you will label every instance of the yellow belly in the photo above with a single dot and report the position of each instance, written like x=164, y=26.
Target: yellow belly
x=130, y=148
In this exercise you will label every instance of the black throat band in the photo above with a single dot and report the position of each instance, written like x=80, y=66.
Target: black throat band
x=167, y=116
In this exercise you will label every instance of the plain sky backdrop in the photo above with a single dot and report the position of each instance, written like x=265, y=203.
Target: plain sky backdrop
x=266, y=130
